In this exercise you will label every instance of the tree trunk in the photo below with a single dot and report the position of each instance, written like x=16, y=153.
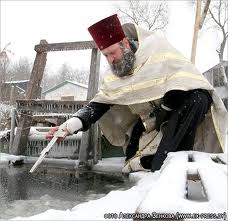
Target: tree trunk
x=222, y=68
x=223, y=74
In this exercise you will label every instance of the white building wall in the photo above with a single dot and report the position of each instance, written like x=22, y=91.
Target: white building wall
x=78, y=92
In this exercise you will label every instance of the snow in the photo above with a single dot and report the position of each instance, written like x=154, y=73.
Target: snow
x=107, y=165
x=4, y=133
x=162, y=191
x=167, y=195
x=6, y=158
x=16, y=82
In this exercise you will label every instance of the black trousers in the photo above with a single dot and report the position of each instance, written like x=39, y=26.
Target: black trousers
x=179, y=133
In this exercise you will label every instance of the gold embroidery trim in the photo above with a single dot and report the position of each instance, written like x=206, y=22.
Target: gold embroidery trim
x=153, y=82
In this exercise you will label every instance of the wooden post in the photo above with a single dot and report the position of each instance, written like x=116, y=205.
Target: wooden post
x=12, y=95
x=196, y=30
x=32, y=91
x=12, y=127
x=89, y=143
x=20, y=141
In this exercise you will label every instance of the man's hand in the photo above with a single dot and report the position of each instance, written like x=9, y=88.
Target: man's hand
x=51, y=132
x=71, y=126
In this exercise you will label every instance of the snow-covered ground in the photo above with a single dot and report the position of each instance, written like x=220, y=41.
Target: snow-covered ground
x=161, y=192
x=4, y=133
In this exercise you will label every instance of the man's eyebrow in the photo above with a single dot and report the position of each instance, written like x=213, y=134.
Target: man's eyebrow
x=104, y=52
x=110, y=52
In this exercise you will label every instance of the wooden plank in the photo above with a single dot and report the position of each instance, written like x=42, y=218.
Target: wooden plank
x=89, y=143
x=66, y=46
x=32, y=92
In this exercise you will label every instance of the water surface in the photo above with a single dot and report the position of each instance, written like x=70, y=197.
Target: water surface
x=26, y=194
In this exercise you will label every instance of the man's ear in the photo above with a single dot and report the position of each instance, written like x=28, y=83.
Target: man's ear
x=126, y=43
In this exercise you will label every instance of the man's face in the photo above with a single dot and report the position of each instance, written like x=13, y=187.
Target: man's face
x=120, y=58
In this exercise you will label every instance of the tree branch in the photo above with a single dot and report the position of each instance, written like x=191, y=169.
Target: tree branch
x=204, y=14
x=219, y=11
x=213, y=17
x=144, y=13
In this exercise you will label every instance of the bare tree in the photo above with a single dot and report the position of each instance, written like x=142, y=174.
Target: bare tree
x=4, y=63
x=81, y=76
x=48, y=80
x=218, y=13
x=152, y=15
x=219, y=16
x=217, y=19
x=20, y=70
x=64, y=73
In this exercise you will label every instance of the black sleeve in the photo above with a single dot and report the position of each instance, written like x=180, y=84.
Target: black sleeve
x=90, y=113
x=173, y=99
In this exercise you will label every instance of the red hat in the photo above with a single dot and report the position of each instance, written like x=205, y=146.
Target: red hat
x=106, y=32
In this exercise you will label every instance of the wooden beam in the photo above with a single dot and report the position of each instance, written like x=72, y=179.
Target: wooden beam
x=32, y=92
x=66, y=46
x=196, y=30
x=94, y=73
x=37, y=74
x=89, y=144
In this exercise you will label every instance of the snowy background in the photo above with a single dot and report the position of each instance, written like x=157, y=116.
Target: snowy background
x=65, y=21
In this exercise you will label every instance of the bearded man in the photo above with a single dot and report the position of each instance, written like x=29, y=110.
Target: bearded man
x=154, y=101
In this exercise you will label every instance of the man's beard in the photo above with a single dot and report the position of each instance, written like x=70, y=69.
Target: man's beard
x=125, y=66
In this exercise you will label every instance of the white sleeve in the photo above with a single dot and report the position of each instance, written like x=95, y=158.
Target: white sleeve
x=72, y=125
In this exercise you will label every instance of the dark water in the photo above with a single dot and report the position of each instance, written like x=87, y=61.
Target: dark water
x=25, y=194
